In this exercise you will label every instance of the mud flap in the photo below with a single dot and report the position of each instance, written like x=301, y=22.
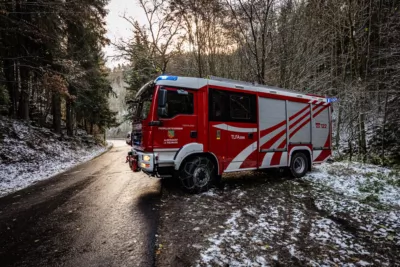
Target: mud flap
x=133, y=161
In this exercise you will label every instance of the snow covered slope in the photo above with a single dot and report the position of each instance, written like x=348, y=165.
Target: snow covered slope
x=363, y=181
x=29, y=154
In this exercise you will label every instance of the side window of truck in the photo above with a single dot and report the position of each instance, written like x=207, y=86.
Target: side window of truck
x=178, y=104
x=219, y=105
x=240, y=107
x=232, y=107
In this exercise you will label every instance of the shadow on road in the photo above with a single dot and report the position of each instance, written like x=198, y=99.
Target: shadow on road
x=234, y=180
x=148, y=207
x=27, y=232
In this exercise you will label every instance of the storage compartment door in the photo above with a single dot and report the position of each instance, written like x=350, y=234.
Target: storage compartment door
x=272, y=132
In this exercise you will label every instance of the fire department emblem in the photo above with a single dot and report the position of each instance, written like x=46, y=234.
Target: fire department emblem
x=171, y=133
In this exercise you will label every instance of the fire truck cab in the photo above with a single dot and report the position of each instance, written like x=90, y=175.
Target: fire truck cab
x=197, y=129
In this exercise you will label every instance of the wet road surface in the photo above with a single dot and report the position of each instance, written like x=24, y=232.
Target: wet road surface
x=97, y=214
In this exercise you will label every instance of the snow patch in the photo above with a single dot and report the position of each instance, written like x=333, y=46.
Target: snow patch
x=363, y=181
x=31, y=154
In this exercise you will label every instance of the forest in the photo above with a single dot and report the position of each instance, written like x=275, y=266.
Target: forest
x=52, y=68
x=348, y=49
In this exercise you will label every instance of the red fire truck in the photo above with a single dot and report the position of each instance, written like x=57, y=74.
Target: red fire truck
x=197, y=129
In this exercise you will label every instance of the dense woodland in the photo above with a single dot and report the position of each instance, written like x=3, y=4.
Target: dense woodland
x=52, y=67
x=52, y=70
x=349, y=49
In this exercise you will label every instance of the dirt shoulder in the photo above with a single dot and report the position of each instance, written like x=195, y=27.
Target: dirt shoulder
x=258, y=220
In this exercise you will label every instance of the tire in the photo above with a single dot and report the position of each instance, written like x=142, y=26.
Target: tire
x=130, y=165
x=299, y=165
x=197, y=174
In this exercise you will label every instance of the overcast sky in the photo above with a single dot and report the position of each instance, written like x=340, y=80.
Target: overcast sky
x=117, y=27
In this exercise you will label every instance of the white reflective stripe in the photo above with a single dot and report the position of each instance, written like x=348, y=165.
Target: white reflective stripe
x=317, y=110
x=293, y=128
x=241, y=157
x=267, y=159
x=244, y=169
x=267, y=137
x=268, y=156
x=283, y=159
x=226, y=127
x=316, y=153
x=233, y=166
x=238, y=160
x=299, y=116
x=165, y=149
x=268, y=127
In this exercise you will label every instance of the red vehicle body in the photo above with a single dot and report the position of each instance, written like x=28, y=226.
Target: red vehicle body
x=197, y=129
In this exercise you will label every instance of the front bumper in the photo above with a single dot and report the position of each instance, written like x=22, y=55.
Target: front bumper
x=146, y=161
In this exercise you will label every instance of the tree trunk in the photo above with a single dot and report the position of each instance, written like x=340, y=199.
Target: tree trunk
x=10, y=83
x=384, y=129
x=363, y=142
x=23, y=107
x=56, y=104
x=339, y=121
x=350, y=150
x=70, y=118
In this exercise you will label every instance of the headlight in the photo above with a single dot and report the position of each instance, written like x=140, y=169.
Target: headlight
x=146, y=158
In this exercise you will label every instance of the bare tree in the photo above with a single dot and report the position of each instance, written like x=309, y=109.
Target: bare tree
x=163, y=29
x=252, y=19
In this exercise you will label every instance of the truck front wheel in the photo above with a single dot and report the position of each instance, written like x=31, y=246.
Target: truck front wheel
x=197, y=174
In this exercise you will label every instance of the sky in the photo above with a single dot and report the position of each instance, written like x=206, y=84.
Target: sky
x=117, y=27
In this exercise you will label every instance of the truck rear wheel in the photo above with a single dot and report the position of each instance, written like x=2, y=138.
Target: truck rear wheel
x=197, y=174
x=299, y=165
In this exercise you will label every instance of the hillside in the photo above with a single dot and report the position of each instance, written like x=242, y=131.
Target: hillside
x=29, y=154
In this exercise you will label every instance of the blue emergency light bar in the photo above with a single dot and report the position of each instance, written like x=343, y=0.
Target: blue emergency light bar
x=167, y=78
x=332, y=99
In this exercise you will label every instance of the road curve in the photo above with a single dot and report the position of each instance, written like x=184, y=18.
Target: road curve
x=97, y=214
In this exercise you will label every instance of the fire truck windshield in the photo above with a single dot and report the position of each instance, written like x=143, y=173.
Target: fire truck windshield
x=143, y=102
x=145, y=108
x=141, y=109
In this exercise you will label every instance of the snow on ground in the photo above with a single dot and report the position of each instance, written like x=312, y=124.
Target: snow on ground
x=274, y=232
x=361, y=181
x=340, y=214
x=366, y=197
x=29, y=154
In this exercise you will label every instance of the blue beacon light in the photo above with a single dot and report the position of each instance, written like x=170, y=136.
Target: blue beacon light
x=167, y=78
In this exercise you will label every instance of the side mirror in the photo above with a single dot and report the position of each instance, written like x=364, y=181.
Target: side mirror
x=162, y=102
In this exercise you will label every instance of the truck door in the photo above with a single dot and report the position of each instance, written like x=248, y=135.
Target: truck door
x=217, y=127
x=179, y=123
x=233, y=118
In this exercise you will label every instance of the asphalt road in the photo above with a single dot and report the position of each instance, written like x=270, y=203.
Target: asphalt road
x=97, y=214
